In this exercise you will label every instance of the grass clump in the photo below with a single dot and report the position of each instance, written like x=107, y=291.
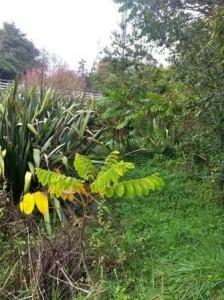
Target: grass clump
x=168, y=245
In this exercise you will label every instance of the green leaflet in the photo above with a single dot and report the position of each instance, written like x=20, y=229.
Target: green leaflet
x=137, y=187
x=119, y=190
x=84, y=167
x=111, y=159
x=129, y=189
x=144, y=187
x=110, y=175
x=108, y=180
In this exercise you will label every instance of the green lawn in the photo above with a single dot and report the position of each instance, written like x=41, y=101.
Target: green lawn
x=169, y=245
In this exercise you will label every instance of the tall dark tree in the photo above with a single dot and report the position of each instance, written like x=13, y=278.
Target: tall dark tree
x=82, y=70
x=17, y=53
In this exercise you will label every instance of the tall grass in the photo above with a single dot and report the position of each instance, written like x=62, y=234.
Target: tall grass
x=168, y=245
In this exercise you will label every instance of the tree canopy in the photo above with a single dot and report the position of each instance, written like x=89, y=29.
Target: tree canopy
x=17, y=53
x=165, y=21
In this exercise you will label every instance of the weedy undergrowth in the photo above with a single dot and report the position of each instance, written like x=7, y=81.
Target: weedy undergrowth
x=85, y=191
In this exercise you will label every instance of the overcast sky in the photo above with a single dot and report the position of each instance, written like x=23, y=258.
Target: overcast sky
x=72, y=29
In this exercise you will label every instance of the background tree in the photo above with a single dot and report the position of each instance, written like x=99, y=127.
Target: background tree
x=17, y=53
x=138, y=105
x=122, y=62
x=166, y=21
x=52, y=72
x=82, y=70
x=193, y=32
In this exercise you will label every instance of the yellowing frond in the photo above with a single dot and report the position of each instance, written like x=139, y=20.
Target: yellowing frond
x=59, y=184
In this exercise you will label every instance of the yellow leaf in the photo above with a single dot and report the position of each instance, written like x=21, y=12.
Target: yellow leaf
x=27, y=204
x=21, y=206
x=41, y=201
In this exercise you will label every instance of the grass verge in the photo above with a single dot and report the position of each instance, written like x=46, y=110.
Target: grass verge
x=169, y=245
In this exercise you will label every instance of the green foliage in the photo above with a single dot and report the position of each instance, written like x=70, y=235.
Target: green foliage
x=201, y=68
x=110, y=174
x=165, y=21
x=43, y=131
x=167, y=245
x=141, y=100
x=111, y=160
x=145, y=118
x=107, y=182
x=138, y=187
x=17, y=53
x=193, y=33
x=84, y=167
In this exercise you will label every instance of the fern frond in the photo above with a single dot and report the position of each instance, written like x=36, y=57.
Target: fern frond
x=60, y=185
x=136, y=187
x=84, y=167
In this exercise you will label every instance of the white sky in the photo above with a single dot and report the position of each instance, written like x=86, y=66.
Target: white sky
x=72, y=29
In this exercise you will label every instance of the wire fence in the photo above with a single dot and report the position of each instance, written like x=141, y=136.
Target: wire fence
x=79, y=94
